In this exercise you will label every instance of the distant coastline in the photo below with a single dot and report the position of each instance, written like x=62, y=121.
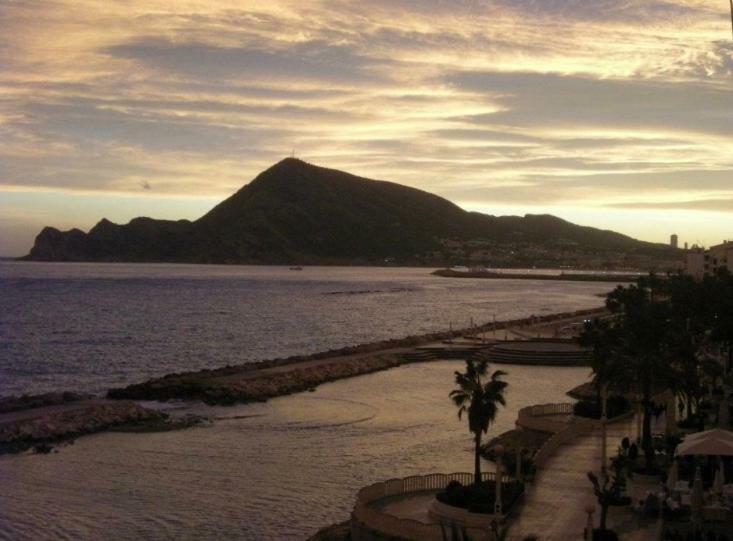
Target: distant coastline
x=566, y=277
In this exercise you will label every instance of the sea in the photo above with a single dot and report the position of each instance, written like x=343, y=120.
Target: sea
x=275, y=470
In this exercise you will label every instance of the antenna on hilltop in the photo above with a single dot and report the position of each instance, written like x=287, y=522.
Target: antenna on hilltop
x=292, y=154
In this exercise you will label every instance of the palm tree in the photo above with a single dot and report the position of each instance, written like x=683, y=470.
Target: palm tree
x=480, y=400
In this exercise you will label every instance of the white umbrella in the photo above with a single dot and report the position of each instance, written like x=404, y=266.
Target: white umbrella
x=712, y=442
x=697, y=498
x=674, y=474
x=712, y=433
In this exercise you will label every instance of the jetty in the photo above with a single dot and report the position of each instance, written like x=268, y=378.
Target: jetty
x=257, y=382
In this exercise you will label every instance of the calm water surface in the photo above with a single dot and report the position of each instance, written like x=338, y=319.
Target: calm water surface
x=270, y=471
x=278, y=470
x=94, y=326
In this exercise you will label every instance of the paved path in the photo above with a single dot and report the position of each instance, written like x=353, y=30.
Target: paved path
x=554, y=505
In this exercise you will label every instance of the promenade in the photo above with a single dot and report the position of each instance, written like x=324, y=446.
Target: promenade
x=554, y=504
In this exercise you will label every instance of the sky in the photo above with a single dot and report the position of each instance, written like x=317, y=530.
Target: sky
x=611, y=113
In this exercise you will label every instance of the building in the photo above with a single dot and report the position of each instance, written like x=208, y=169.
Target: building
x=674, y=241
x=700, y=262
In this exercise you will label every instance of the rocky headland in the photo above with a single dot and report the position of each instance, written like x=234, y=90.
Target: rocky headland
x=296, y=213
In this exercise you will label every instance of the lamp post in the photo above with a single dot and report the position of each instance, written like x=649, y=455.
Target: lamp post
x=589, y=509
x=670, y=415
x=498, y=453
x=639, y=416
x=604, y=419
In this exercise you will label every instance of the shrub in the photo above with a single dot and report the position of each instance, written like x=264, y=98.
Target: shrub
x=694, y=421
x=604, y=535
x=481, y=498
x=615, y=406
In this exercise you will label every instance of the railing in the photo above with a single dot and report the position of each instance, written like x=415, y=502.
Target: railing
x=369, y=523
x=540, y=417
x=536, y=417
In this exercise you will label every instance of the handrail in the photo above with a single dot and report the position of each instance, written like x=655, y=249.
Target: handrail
x=539, y=417
x=374, y=519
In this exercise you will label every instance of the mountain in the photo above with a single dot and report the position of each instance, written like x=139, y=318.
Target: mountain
x=298, y=213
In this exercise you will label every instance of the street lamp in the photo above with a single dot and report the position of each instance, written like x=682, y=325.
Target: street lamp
x=589, y=509
x=498, y=453
x=604, y=419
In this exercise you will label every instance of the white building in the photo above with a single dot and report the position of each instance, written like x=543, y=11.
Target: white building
x=700, y=262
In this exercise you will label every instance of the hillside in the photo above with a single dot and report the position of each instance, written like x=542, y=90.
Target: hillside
x=298, y=213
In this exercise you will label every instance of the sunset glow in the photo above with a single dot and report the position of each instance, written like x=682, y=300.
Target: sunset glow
x=615, y=114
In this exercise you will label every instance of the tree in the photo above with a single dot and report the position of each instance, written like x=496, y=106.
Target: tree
x=644, y=348
x=607, y=492
x=718, y=292
x=480, y=400
x=604, y=339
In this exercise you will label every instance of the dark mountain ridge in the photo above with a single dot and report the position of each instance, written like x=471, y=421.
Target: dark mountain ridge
x=298, y=213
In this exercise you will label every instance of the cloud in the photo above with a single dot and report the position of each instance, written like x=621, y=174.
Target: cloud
x=597, y=104
x=555, y=101
x=311, y=61
x=719, y=205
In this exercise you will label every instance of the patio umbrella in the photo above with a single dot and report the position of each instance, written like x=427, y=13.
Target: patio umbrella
x=714, y=442
x=712, y=433
x=674, y=474
x=697, y=498
x=719, y=479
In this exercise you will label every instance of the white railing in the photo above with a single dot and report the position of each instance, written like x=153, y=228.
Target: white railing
x=538, y=418
x=370, y=523
x=543, y=417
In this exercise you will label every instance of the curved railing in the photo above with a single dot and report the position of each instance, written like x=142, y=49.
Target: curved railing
x=540, y=418
x=370, y=523
x=543, y=417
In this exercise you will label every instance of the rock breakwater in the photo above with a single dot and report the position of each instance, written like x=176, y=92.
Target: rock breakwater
x=41, y=427
x=256, y=382
x=231, y=385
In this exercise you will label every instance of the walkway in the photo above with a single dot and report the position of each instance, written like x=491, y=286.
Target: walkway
x=554, y=505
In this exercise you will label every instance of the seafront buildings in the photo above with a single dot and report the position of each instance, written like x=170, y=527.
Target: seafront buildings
x=700, y=262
